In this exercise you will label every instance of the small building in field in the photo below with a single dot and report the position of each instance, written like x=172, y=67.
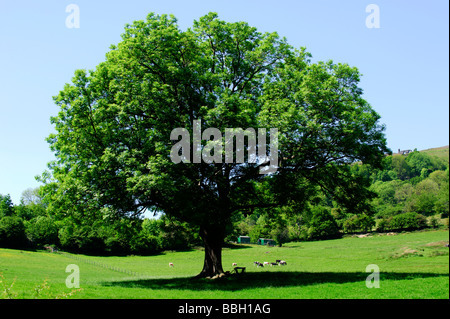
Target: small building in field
x=244, y=240
x=266, y=241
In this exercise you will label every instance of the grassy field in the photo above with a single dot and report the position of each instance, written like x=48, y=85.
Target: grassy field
x=441, y=152
x=412, y=265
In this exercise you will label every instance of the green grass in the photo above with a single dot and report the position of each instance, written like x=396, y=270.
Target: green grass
x=412, y=265
x=441, y=152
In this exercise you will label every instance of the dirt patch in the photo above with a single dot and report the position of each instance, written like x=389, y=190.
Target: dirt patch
x=441, y=243
x=406, y=252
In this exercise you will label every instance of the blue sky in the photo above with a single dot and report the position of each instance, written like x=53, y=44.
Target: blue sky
x=405, y=62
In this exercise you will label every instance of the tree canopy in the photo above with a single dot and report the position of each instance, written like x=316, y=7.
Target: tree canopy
x=113, y=131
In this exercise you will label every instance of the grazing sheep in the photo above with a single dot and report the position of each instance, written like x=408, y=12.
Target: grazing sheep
x=234, y=264
x=282, y=263
x=266, y=263
x=171, y=265
x=258, y=264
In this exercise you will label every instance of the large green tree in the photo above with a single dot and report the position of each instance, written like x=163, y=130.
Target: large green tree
x=113, y=131
x=6, y=206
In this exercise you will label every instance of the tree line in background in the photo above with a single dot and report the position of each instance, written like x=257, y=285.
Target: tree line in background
x=32, y=224
x=412, y=193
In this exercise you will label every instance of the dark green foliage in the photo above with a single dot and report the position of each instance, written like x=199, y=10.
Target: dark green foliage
x=423, y=190
x=422, y=164
x=6, y=206
x=406, y=221
x=358, y=223
x=12, y=232
x=42, y=230
x=83, y=238
x=30, y=226
x=321, y=225
x=401, y=167
x=175, y=235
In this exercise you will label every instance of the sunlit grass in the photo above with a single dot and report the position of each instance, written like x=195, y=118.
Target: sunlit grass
x=412, y=265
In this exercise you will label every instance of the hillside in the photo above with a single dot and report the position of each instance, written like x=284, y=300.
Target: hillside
x=441, y=152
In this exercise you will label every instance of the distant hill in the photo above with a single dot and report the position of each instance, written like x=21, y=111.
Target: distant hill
x=441, y=152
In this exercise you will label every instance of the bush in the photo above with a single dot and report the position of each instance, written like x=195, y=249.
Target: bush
x=407, y=221
x=67, y=238
x=82, y=239
x=322, y=225
x=91, y=242
x=145, y=244
x=382, y=225
x=12, y=232
x=257, y=232
x=41, y=231
x=434, y=221
x=356, y=223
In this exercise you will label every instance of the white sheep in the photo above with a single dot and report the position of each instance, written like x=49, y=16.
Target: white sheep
x=171, y=265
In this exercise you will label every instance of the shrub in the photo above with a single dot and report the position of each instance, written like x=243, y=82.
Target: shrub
x=361, y=222
x=12, y=232
x=366, y=222
x=83, y=239
x=407, y=221
x=382, y=225
x=350, y=224
x=322, y=225
x=145, y=244
x=91, y=242
x=67, y=237
x=115, y=246
x=434, y=221
x=42, y=230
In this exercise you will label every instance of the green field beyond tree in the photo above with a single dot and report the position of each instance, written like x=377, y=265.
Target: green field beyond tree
x=412, y=265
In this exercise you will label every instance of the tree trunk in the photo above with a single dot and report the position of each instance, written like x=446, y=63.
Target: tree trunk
x=213, y=239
